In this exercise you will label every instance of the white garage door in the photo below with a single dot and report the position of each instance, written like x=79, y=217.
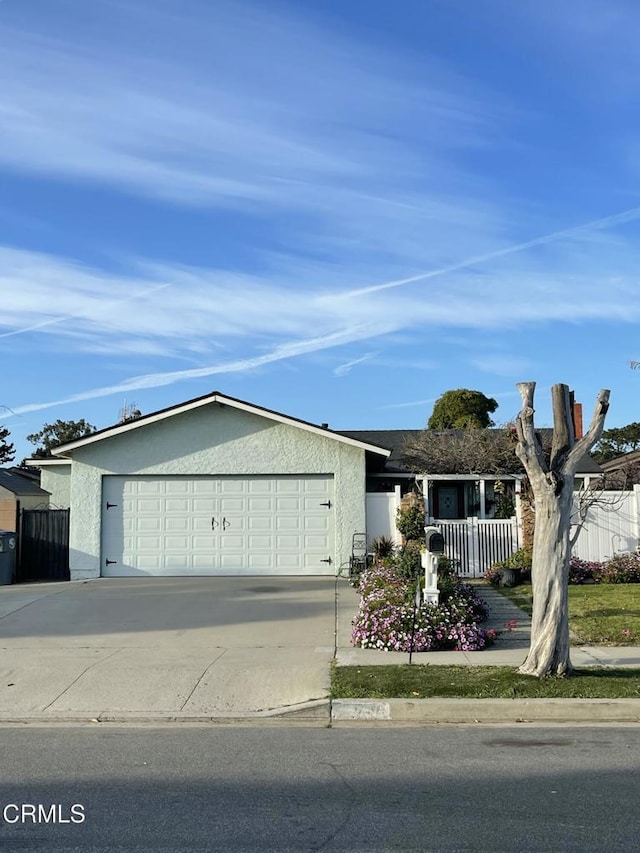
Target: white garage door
x=217, y=526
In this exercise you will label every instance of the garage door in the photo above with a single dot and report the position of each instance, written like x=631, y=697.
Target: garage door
x=218, y=526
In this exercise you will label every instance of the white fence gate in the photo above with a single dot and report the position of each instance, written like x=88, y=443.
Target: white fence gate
x=611, y=526
x=476, y=544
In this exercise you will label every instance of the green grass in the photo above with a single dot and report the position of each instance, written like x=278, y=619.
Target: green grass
x=478, y=682
x=599, y=614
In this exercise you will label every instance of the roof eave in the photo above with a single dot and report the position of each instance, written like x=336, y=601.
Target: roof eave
x=223, y=400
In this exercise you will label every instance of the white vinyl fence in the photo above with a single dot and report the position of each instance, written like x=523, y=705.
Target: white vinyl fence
x=473, y=544
x=612, y=526
x=476, y=544
x=381, y=509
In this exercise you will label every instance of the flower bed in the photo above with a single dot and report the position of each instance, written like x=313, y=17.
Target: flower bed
x=385, y=619
x=623, y=568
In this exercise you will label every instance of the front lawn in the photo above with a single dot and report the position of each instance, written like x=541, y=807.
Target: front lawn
x=478, y=682
x=599, y=614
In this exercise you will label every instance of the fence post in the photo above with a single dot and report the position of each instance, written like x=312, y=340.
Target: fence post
x=473, y=539
x=397, y=503
x=636, y=490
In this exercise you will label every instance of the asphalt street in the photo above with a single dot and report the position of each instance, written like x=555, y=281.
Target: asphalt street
x=190, y=788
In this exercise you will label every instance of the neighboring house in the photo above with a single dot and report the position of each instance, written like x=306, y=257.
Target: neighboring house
x=213, y=486
x=18, y=490
x=623, y=472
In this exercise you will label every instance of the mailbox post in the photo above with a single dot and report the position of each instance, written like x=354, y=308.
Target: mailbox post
x=434, y=548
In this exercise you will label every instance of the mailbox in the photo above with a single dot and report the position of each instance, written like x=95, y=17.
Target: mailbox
x=435, y=540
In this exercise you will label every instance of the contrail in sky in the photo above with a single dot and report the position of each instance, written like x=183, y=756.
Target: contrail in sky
x=84, y=316
x=302, y=347
x=596, y=224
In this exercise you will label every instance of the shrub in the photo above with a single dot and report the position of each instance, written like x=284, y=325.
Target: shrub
x=583, y=571
x=383, y=547
x=623, y=568
x=493, y=575
x=407, y=560
x=385, y=618
x=448, y=580
x=410, y=521
x=520, y=559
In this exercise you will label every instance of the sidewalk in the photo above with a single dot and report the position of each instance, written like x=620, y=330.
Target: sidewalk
x=510, y=648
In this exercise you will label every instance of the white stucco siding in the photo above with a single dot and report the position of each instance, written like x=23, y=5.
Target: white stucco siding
x=56, y=479
x=213, y=440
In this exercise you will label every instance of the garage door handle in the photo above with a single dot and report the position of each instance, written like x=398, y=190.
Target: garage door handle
x=214, y=523
x=110, y=562
x=225, y=524
x=328, y=560
x=327, y=504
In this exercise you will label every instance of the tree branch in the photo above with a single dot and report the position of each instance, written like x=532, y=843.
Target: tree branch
x=528, y=448
x=584, y=445
x=563, y=433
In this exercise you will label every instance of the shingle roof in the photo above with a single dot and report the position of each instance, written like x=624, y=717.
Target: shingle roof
x=395, y=439
x=391, y=439
x=19, y=484
x=632, y=457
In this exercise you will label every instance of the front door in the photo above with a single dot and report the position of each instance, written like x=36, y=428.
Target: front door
x=448, y=500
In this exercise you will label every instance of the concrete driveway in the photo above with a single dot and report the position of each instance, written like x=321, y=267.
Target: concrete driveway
x=164, y=647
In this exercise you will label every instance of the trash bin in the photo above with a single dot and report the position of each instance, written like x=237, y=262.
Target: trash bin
x=7, y=556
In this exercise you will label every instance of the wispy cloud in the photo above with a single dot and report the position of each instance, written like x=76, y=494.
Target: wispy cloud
x=631, y=215
x=344, y=369
x=180, y=312
x=355, y=157
x=155, y=380
x=333, y=132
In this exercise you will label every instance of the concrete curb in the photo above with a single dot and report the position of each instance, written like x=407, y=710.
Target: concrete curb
x=485, y=711
x=349, y=712
x=314, y=712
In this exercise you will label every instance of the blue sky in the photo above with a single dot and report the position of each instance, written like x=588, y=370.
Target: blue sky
x=336, y=210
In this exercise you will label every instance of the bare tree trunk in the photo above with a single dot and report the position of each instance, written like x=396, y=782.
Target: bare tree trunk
x=549, y=653
x=552, y=485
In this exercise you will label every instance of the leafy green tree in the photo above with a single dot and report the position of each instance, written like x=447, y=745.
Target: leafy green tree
x=60, y=432
x=7, y=449
x=462, y=409
x=616, y=441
